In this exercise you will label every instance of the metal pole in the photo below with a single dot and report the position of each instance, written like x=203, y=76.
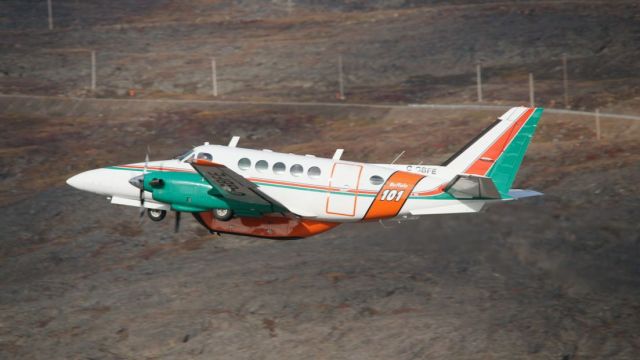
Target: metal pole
x=598, y=124
x=214, y=77
x=340, y=77
x=50, y=9
x=93, y=70
x=565, y=81
x=532, y=99
x=479, y=81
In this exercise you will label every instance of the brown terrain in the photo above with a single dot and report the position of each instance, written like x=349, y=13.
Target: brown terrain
x=556, y=277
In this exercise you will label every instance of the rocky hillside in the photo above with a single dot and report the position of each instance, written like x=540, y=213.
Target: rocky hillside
x=547, y=278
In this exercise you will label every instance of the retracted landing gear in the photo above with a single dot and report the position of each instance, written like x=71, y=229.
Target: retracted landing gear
x=222, y=214
x=156, y=215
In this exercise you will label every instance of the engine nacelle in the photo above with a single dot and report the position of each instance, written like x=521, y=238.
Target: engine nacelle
x=187, y=192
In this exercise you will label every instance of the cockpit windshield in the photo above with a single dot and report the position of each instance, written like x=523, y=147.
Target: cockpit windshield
x=205, y=156
x=184, y=156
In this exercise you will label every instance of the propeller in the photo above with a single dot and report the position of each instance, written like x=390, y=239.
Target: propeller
x=177, y=225
x=144, y=172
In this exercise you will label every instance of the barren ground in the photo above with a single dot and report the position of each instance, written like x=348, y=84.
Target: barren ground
x=547, y=278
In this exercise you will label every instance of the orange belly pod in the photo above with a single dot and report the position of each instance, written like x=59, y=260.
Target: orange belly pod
x=271, y=226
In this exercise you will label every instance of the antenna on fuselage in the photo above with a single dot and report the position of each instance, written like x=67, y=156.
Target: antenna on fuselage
x=398, y=157
x=338, y=154
x=234, y=141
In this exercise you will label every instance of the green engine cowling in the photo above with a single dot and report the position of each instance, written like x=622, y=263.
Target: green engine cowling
x=186, y=192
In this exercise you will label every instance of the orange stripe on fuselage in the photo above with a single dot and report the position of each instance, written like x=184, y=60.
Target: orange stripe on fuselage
x=489, y=157
x=394, y=193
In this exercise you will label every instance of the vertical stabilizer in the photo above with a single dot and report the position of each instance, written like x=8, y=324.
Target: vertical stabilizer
x=497, y=151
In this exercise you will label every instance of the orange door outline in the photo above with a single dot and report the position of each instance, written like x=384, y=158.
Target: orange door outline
x=356, y=190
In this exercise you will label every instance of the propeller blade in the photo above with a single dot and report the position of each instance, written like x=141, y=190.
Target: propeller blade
x=142, y=202
x=146, y=161
x=177, y=226
x=144, y=172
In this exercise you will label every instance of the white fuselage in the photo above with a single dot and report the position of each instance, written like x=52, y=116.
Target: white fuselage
x=309, y=186
x=320, y=191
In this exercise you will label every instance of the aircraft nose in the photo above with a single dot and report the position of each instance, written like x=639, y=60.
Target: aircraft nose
x=104, y=181
x=83, y=181
x=74, y=181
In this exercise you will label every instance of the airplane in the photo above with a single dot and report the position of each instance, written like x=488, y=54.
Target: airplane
x=262, y=193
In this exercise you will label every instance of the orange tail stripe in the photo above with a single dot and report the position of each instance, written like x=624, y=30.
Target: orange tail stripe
x=489, y=157
x=393, y=195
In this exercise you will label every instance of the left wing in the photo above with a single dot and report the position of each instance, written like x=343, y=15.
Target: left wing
x=240, y=193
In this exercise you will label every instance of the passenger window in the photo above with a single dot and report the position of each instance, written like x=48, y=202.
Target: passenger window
x=279, y=168
x=314, y=172
x=376, y=180
x=262, y=166
x=205, y=156
x=244, y=164
x=297, y=170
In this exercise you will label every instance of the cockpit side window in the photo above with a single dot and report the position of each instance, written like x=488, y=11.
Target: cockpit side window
x=184, y=156
x=205, y=156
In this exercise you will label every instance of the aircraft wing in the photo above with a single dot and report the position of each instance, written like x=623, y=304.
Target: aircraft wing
x=241, y=194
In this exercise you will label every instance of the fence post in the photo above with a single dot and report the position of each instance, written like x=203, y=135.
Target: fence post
x=93, y=70
x=532, y=100
x=479, y=81
x=565, y=81
x=50, y=11
x=214, y=78
x=597, y=124
x=340, y=78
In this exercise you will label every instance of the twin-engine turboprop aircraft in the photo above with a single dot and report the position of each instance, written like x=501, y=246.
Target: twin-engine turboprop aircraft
x=284, y=196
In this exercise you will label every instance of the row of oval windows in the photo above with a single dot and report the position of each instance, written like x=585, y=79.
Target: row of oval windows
x=297, y=170
x=280, y=168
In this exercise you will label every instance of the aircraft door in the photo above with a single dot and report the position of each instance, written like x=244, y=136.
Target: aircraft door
x=343, y=195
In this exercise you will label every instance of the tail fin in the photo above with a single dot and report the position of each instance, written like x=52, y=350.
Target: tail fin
x=498, y=150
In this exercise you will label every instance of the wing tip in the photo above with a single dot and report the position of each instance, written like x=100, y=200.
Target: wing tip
x=521, y=194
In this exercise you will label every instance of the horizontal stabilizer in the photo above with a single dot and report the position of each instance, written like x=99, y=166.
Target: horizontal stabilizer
x=472, y=187
x=451, y=207
x=520, y=194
